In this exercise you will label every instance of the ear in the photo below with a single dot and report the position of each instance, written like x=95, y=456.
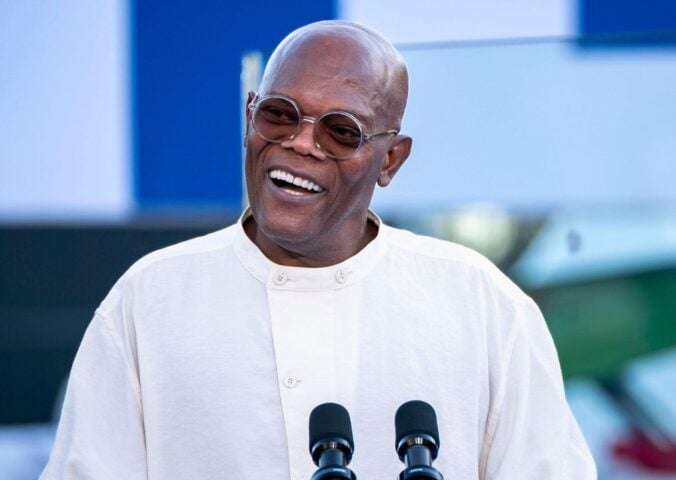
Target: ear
x=247, y=114
x=249, y=99
x=400, y=148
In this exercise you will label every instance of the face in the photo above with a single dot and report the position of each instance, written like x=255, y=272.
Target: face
x=323, y=220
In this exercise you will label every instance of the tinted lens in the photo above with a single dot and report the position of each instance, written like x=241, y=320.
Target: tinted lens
x=338, y=134
x=275, y=119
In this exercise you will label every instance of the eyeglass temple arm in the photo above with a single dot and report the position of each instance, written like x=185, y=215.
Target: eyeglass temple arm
x=388, y=132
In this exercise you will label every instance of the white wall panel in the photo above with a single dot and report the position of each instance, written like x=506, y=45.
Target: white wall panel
x=64, y=109
x=422, y=21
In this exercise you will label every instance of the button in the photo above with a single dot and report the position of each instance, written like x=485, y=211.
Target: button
x=290, y=382
x=341, y=276
x=280, y=278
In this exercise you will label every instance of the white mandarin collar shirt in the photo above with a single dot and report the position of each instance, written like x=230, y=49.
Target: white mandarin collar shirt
x=279, y=277
x=206, y=358
x=315, y=324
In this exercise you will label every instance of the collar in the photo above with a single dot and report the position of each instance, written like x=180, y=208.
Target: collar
x=281, y=277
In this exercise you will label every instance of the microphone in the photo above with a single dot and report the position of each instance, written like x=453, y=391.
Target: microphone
x=417, y=440
x=331, y=443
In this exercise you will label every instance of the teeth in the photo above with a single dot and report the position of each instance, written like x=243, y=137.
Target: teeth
x=297, y=181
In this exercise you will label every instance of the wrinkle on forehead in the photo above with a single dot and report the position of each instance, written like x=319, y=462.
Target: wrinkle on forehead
x=352, y=83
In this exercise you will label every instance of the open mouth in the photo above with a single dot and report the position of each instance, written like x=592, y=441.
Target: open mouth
x=292, y=184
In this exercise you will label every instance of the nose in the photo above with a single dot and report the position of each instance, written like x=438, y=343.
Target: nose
x=303, y=141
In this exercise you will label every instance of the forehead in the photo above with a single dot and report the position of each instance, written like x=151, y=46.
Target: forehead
x=327, y=72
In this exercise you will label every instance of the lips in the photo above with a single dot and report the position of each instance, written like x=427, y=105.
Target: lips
x=293, y=184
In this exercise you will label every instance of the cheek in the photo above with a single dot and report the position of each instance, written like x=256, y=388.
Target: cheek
x=361, y=174
x=248, y=167
x=252, y=176
x=252, y=160
x=358, y=185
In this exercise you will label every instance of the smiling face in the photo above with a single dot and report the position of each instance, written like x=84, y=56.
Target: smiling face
x=309, y=209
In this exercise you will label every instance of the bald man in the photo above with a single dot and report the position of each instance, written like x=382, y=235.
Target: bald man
x=206, y=358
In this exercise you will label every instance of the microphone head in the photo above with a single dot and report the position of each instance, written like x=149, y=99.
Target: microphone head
x=330, y=421
x=415, y=418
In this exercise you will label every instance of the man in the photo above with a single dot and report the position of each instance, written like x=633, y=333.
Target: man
x=207, y=357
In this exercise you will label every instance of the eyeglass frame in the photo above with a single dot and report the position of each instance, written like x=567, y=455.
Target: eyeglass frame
x=365, y=137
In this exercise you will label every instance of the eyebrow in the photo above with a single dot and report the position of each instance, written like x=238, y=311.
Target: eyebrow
x=365, y=119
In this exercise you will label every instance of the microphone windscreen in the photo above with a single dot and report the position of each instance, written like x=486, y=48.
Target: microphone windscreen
x=416, y=417
x=330, y=420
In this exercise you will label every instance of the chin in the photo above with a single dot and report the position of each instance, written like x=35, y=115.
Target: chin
x=285, y=229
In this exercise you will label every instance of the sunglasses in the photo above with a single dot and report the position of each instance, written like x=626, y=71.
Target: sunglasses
x=339, y=135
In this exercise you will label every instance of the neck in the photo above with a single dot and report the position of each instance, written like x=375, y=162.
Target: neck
x=312, y=253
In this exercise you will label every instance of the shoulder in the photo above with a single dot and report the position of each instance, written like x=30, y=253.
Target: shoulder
x=467, y=287
x=162, y=269
x=424, y=246
x=184, y=252
x=443, y=258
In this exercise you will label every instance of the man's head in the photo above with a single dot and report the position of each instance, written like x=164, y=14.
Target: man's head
x=323, y=67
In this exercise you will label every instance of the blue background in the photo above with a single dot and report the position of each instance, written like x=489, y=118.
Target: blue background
x=186, y=77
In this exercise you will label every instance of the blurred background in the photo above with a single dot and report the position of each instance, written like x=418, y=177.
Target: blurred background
x=544, y=137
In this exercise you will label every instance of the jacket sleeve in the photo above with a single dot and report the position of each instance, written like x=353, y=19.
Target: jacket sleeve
x=100, y=433
x=531, y=432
